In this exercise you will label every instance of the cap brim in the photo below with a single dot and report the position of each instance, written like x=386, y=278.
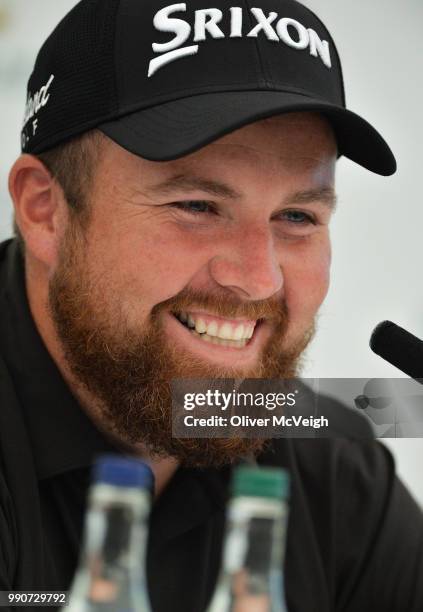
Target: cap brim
x=174, y=129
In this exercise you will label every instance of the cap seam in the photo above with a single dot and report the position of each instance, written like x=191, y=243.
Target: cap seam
x=264, y=77
x=117, y=46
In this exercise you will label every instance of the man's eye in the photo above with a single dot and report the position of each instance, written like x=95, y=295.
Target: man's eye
x=196, y=207
x=298, y=218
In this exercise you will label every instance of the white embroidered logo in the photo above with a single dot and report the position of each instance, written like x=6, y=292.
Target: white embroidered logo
x=206, y=24
x=33, y=106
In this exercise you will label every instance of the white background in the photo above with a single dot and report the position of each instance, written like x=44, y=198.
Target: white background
x=377, y=230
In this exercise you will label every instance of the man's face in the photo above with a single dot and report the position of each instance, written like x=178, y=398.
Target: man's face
x=232, y=240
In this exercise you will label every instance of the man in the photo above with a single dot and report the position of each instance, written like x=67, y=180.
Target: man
x=173, y=206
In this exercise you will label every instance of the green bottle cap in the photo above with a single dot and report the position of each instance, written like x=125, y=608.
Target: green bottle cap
x=260, y=482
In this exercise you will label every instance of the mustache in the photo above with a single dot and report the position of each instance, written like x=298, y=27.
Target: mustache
x=224, y=305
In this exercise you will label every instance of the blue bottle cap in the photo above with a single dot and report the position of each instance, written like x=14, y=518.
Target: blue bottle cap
x=122, y=471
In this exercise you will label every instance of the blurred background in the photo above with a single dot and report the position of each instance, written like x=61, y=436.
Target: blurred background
x=377, y=230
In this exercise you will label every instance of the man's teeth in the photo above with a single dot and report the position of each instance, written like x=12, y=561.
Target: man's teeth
x=224, y=331
x=219, y=341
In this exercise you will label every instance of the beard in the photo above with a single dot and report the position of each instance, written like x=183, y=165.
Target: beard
x=127, y=370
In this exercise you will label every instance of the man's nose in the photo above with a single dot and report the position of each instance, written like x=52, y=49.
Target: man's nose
x=248, y=264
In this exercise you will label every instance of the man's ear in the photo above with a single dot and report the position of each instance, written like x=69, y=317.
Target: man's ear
x=39, y=207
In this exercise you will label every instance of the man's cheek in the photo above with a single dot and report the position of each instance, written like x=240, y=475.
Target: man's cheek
x=318, y=287
x=314, y=276
x=305, y=292
x=319, y=282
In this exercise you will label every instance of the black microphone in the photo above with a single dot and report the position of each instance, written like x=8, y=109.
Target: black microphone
x=399, y=347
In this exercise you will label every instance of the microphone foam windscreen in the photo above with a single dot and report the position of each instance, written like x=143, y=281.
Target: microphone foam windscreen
x=399, y=347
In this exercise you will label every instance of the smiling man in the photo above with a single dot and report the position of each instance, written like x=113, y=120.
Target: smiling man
x=173, y=204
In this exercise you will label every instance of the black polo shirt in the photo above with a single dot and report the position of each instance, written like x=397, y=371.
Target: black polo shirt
x=355, y=536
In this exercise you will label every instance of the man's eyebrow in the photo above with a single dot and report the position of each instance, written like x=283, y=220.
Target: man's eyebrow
x=324, y=195
x=194, y=183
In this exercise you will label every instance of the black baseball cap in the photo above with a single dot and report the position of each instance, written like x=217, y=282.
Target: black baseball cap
x=164, y=79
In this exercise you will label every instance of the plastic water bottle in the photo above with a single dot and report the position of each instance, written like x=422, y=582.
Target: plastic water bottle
x=111, y=575
x=251, y=578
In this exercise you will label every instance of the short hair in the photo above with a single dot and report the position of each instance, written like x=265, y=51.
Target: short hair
x=72, y=165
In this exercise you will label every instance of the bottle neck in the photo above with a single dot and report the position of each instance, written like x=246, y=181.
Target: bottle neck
x=115, y=528
x=256, y=537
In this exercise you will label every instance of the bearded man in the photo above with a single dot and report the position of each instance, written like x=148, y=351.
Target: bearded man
x=172, y=204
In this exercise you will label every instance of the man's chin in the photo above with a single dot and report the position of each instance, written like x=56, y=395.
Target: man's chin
x=147, y=426
x=205, y=453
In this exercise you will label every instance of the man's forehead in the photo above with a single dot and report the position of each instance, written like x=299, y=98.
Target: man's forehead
x=260, y=154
